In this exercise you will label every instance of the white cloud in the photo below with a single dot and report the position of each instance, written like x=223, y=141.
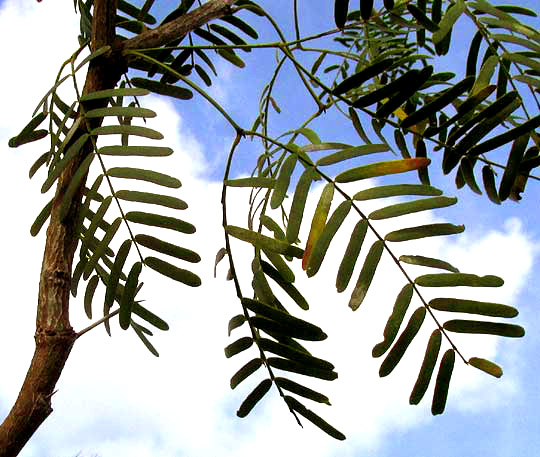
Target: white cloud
x=114, y=398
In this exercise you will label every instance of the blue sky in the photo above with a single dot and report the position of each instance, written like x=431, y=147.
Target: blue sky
x=115, y=399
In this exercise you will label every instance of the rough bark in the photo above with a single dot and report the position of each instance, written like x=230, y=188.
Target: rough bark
x=54, y=335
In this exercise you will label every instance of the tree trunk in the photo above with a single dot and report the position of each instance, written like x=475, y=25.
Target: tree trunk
x=54, y=335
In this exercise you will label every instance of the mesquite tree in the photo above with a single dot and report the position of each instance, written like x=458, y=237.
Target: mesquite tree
x=375, y=68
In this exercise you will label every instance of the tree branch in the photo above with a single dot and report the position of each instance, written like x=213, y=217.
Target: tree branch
x=164, y=34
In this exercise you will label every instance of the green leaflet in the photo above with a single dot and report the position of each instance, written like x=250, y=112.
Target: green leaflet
x=406, y=92
x=517, y=40
x=92, y=56
x=406, y=80
x=356, y=80
x=97, y=218
x=248, y=369
x=126, y=129
x=467, y=171
x=318, y=222
x=228, y=54
x=157, y=220
x=273, y=226
x=60, y=166
x=127, y=111
x=395, y=190
x=523, y=60
x=449, y=19
x=295, y=355
x=76, y=276
x=298, y=204
x=391, y=329
x=473, y=307
x=262, y=289
x=149, y=316
x=300, y=326
x=314, y=418
x=155, y=199
x=403, y=342
x=114, y=277
x=139, y=14
x=295, y=367
x=341, y=8
x=73, y=186
x=36, y=135
x=478, y=132
x=330, y=229
x=421, y=18
x=303, y=332
x=382, y=169
x=423, y=231
x=292, y=291
x=283, y=180
x=401, y=144
x=144, y=175
x=442, y=383
x=516, y=133
x=512, y=166
x=438, y=103
x=428, y=262
x=41, y=218
x=254, y=397
x=128, y=297
x=238, y=346
x=231, y=36
x=316, y=147
x=358, y=126
x=466, y=108
x=180, y=93
x=535, y=82
x=28, y=133
x=119, y=92
x=243, y=26
x=310, y=134
x=163, y=247
x=235, y=322
x=483, y=327
x=142, y=151
x=101, y=248
x=485, y=75
x=299, y=389
x=458, y=279
x=486, y=366
x=89, y=295
x=264, y=242
x=401, y=209
x=254, y=181
x=348, y=262
x=501, y=105
x=173, y=272
x=366, y=9
x=351, y=153
x=146, y=342
x=42, y=160
x=366, y=274
x=281, y=266
x=488, y=178
x=426, y=370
